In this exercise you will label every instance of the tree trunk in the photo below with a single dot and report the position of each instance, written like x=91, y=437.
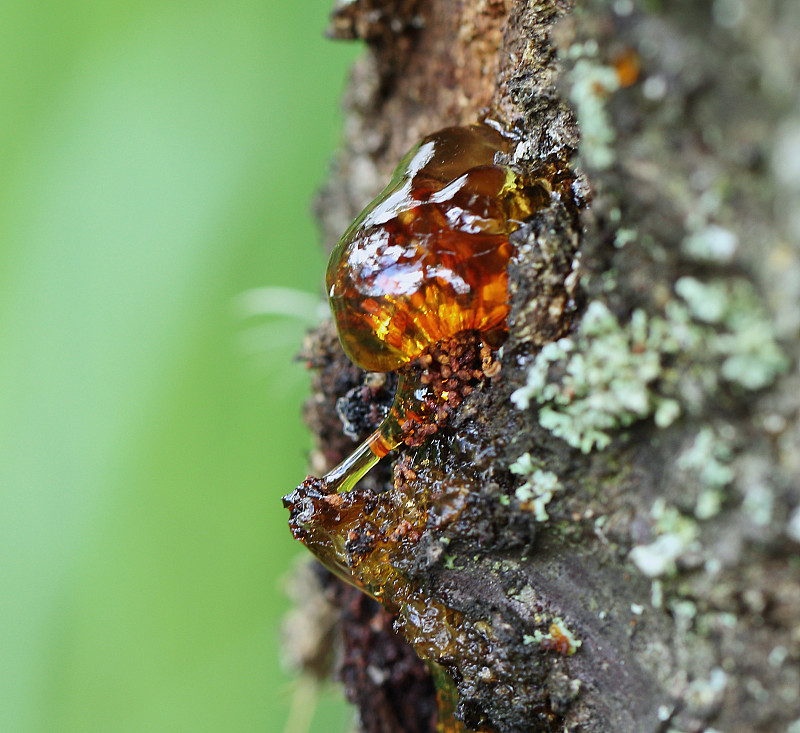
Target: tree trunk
x=627, y=549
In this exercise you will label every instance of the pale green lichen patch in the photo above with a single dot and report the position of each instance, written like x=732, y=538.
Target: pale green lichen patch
x=675, y=534
x=624, y=236
x=707, y=461
x=684, y=612
x=712, y=243
x=704, y=471
x=608, y=370
x=759, y=502
x=538, y=489
x=751, y=357
x=591, y=85
x=793, y=525
x=611, y=374
x=706, y=240
x=706, y=694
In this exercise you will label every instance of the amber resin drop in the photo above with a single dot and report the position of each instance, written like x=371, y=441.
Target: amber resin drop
x=427, y=258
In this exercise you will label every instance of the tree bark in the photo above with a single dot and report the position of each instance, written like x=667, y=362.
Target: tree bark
x=637, y=484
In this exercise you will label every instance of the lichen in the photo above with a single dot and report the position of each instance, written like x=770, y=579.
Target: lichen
x=607, y=370
x=707, y=460
x=703, y=695
x=750, y=355
x=538, y=489
x=656, y=594
x=793, y=525
x=712, y=243
x=624, y=236
x=759, y=501
x=591, y=84
x=612, y=373
x=704, y=464
x=675, y=533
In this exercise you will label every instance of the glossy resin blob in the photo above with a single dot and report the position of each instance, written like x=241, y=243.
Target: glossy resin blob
x=427, y=259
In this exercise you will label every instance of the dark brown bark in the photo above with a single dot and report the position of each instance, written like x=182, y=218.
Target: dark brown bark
x=671, y=553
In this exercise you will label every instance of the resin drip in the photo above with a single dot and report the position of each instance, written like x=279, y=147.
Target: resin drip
x=360, y=536
x=372, y=539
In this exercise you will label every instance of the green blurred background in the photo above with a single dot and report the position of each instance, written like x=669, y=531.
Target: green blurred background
x=158, y=159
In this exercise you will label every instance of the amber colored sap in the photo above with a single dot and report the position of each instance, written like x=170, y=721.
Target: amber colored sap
x=427, y=258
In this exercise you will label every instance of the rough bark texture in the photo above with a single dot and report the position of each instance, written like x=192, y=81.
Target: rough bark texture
x=666, y=428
